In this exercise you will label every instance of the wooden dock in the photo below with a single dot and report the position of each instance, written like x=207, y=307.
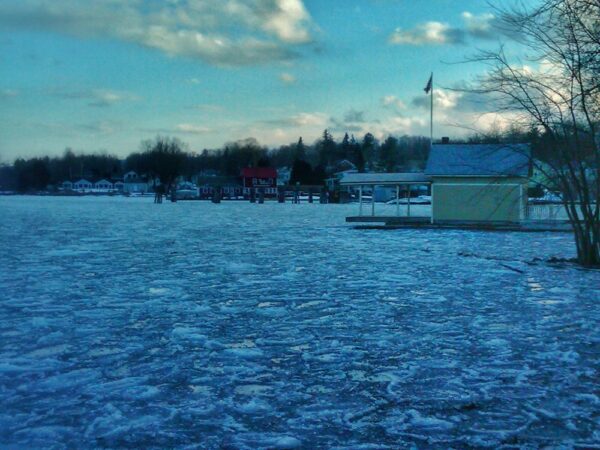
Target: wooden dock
x=395, y=223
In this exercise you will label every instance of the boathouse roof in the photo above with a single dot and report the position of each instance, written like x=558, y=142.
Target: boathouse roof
x=494, y=160
x=383, y=179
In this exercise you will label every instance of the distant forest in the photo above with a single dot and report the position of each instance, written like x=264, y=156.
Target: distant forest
x=309, y=164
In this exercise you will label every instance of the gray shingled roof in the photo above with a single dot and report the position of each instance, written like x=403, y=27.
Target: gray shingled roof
x=500, y=160
x=382, y=179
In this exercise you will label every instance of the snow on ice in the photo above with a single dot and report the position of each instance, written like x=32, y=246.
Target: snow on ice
x=124, y=323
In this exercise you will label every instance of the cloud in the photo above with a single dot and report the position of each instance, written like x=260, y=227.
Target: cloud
x=208, y=107
x=391, y=101
x=285, y=129
x=103, y=98
x=282, y=130
x=194, y=81
x=286, y=19
x=223, y=33
x=8, y=93
x=189, y=128
x=442, y=99
x=354, y=116
x=304, y=119
x=429, y=33
x=287, y=78
x=481, y=26
x=353, y=121
x=101, y=127
x=100, y=98
x=313, y=119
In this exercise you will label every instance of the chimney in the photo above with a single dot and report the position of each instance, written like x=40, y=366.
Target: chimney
x=445, y=140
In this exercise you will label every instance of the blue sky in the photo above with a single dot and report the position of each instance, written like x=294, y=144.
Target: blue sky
x=103, y=75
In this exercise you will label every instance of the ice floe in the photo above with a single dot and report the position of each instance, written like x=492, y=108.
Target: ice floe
x=192, y=325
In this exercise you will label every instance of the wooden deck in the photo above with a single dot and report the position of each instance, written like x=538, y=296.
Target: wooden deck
x=389, y=220
x=395, y=223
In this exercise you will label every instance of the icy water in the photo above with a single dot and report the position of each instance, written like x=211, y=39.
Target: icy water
x=127, y=324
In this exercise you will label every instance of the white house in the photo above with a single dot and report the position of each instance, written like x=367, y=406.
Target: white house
x=131, y=175
x=132, y=183
x=83, y=185
x=104, y=185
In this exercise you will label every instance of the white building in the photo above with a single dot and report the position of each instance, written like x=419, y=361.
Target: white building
x=104, y=185
x=133, y=184
x=83, y=185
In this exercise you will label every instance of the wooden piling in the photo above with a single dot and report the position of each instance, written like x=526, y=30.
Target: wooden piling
x=216, y=196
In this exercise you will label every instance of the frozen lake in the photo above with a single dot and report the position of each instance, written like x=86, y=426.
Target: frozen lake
x=129, y=324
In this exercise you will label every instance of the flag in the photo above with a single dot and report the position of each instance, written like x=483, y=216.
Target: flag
x=429, y=85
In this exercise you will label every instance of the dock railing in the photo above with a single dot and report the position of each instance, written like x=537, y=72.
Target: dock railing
x=547, y=212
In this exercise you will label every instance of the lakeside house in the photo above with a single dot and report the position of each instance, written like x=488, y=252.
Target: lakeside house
x=104, y=185
x=92, y=186
x=342, y=169
x=260, y=178
x=134, y=184
x=207, y=181
x=83, y=185
x=470, y=184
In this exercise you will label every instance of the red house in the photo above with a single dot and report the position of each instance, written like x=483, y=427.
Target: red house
x=259, y=177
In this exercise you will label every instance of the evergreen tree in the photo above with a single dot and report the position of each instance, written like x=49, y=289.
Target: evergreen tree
x=300, y=151
x=368, y=150
x=345, y=151
x=359, y=157
x=388, y=155
x=319, y=175
x=326, y=149
x=301, y=172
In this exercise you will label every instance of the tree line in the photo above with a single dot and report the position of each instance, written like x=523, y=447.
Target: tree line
x=168, y=158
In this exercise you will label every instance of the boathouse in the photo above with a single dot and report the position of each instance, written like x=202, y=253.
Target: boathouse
x=478, y=183
x=470, y=185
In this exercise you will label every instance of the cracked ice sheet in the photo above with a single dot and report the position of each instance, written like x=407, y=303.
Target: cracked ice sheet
x=124, y=323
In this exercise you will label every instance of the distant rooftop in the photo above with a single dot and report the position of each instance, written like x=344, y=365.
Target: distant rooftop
x=259, y=172
x=382, y=179
x=479, y=160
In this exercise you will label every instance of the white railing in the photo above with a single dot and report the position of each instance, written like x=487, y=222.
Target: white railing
x=547, y=212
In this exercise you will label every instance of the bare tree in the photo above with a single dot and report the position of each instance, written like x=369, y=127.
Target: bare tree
x=164, y=158
x=556, y=90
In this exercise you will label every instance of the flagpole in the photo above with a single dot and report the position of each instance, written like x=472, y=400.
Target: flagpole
x=431, y=118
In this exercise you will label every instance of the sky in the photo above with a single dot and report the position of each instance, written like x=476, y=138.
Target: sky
x=104, y=75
